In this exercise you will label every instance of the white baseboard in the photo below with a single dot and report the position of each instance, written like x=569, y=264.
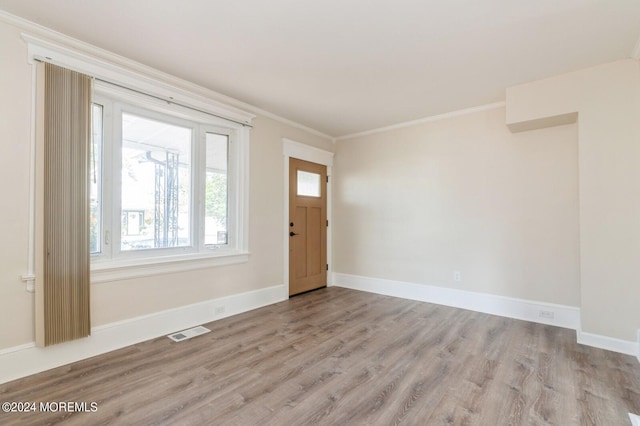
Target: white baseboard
x=23, y=360
x=27, y=359
x=608, y=343
x=563, y=316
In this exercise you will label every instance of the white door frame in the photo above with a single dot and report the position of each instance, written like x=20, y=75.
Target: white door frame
x=293, y=149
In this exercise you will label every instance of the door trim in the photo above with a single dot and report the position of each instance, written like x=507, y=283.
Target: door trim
x=293, y=149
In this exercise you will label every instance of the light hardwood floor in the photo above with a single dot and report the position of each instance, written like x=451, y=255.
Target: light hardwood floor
x=343, y=357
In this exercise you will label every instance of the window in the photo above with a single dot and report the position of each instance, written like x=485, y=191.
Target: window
x=308, y=184
x=156, y=180
x=184, y=233
x=216, y=194
x=166, y=182
x=95, y=180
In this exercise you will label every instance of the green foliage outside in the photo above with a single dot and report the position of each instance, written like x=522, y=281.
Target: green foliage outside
x=216, y=198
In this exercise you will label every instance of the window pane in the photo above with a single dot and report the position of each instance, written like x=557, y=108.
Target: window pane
x=216, y=189
x=308, y=184
x=95, y=180
x=156, y=184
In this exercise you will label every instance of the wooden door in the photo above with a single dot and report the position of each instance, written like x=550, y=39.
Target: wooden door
x=307, y=226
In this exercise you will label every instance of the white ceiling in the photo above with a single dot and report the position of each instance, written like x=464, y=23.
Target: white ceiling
x=345, y=66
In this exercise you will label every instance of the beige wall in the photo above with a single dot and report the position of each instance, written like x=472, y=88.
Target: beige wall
x=607, y=100
x=549, y=215
x=122, y=299
x=16, y=305
x=114, y=301
x=465, y=194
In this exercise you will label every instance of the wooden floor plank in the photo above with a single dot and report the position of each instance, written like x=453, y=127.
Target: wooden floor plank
x=338, y=356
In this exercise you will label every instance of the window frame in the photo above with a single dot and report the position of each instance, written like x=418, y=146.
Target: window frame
x=114, y=263
x=120, y=108
x=99, y=182
x=164, y=89
x=232, y=185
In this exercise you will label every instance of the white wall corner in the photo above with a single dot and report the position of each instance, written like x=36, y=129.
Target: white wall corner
x=609, y=343
x=27, y=359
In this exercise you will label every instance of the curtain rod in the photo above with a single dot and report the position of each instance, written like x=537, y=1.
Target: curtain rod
x=169, y=101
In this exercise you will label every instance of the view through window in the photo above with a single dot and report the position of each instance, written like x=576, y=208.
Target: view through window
x=158, y=182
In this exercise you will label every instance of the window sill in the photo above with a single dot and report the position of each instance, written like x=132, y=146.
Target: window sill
x=126, y=269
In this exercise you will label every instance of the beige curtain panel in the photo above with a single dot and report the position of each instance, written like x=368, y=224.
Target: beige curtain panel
x=62, y=286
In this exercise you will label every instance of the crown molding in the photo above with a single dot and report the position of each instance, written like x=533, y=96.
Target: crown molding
x=111, y=70
x=291, y=123
x=84, y=48
x=431, y=118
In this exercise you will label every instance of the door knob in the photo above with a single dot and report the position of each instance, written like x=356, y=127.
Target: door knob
x=291, y=234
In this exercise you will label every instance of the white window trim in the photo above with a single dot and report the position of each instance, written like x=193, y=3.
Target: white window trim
x=112, y=152
x=103, y=65
x=107, y=66
x=232, y=194
x=123, y=269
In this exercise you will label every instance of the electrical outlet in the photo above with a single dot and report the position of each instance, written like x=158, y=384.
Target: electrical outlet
x=457, y=276
x=219, y=310
x=547, y=314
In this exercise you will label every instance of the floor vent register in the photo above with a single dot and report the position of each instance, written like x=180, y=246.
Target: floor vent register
x=188, y=334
